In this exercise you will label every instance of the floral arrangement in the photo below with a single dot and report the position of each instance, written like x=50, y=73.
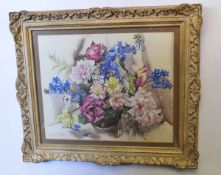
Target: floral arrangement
x=107, y=94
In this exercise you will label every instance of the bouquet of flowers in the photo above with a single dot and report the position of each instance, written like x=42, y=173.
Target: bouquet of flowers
x=107, y=94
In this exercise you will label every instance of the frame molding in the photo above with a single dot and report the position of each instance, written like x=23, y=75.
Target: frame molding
x=186, y=14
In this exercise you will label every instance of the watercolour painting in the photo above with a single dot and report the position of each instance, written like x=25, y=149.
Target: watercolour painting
x=109, y=87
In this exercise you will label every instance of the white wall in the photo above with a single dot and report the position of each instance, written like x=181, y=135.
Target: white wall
x=210, y=105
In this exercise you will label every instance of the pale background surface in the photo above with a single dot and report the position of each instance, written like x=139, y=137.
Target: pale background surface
x=210, y=113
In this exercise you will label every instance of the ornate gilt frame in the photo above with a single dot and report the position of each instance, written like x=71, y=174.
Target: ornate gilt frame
x=187, y=16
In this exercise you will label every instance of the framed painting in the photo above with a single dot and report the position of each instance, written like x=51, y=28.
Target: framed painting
x=109, y=85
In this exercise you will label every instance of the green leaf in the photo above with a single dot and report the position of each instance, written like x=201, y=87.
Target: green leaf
x=84, y=87
x=104, y=47
x=46, y=91
x=109, y=113
x=79, y=47
x=82, y=119
x=137, y=37
x=123, y=65
x=62, y=69
x=56, y=66
x=60, y=65
x=111, y=117
x=54, y=59
x=78, y=57
x=131, y=80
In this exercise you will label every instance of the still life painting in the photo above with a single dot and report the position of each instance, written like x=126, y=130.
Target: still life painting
x=108, y=87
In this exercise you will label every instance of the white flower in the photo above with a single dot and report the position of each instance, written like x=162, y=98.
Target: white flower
x=98, y=78
x=67, y=119
x=144, y=109
x=83, y=70
x=98, y=90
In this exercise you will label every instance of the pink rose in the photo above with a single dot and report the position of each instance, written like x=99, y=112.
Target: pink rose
x=92, y=108
x=94, y=52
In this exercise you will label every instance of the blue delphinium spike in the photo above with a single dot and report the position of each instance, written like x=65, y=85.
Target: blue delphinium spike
x=159, y=79
x=110, y=67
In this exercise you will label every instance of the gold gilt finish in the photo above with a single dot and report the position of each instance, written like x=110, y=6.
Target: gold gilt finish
x=186, y=16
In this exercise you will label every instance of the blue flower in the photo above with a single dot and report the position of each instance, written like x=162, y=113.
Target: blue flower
x=133, y=50
x=112, y=49
x=122, y=57
x=125, y=49
x=109, y=55
x=72, y=95
x=159, y=79
x=56, y=86
x=66, y=86
x=120, y=48
x=109, y=67
x=78, y=95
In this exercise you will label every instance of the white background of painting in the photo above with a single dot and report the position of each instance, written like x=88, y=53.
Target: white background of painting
x=63, y=47
x=210, y=113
